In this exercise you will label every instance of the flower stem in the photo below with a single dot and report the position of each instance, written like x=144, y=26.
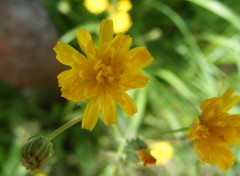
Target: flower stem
x=64, y=127
x=174, y=131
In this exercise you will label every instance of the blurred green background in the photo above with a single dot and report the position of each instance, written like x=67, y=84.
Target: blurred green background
x=196, y=46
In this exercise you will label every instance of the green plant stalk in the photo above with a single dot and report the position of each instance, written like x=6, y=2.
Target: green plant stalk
x=174, y=131
x=64, y=127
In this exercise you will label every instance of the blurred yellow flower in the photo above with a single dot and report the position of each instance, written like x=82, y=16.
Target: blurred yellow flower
x=40, y=174
x=118, y=13
x=162, y=151
x=122, y=21
x=120, y=16
x=215, y=130
x=96, y=6
x=124, y=5
x=104, y=75
x=145, y=156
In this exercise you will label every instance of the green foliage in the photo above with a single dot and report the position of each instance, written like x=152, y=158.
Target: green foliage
x=195, y=44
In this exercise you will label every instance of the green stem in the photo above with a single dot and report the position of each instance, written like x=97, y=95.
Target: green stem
x=64, y=127
x=174, y=131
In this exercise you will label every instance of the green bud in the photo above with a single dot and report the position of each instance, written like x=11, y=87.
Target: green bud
x=36, y=152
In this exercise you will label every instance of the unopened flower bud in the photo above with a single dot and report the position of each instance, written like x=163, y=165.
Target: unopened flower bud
x=36, y=152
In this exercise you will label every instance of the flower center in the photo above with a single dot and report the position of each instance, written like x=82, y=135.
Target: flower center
x=198, y=130
x=104, y=73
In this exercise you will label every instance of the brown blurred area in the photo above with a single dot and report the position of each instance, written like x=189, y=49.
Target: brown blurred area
x=27, y=38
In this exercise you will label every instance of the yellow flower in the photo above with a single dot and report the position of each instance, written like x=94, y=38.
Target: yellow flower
x=162, y=151
x=40, y=174
x=104, y=75
x=96, y=6
x=216, y=130
x=123, y=22
x=120, y=16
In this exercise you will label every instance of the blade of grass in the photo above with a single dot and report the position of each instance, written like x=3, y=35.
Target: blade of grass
x=219, y=9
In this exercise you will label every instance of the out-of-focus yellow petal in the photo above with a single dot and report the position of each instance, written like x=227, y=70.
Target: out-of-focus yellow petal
x=40, y=174
x=90, y=115
x=162, y=151
x=122, y=22
x=140, y=57
x=96, y=6
x=124, y=5
x=109, y=111
x=126, y=103
x=214, y=153
x=106, y=31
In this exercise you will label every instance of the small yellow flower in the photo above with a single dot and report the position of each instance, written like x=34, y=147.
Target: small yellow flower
x=120, y=16
x=40, y=174
x=124, y=5
x=104, y=75
x=96, y=6
x=216, y=130
x=123, y=22
x=162, y=151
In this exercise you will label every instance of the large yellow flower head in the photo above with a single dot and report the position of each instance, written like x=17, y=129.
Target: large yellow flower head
x=216, y=130
x=103, y=75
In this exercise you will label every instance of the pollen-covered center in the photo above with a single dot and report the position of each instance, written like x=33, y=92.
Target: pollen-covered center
x=104, y=73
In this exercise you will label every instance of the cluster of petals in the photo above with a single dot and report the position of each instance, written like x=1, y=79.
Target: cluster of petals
x=216, y=130
x=103, y=74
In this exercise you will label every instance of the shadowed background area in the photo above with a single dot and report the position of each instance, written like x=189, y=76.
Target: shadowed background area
x=27, y=37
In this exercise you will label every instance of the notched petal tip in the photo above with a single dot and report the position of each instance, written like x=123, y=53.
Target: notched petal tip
x=64, y=53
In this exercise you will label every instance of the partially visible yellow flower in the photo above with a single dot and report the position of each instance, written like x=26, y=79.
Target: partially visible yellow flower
x=118, y=13
x=120, y=16
x=40, y=174
x=162, y=151
x=123, y=21
x=124, y=5
x=145, y=156
x=215, y=130
x=104, y=75
x=96, y=6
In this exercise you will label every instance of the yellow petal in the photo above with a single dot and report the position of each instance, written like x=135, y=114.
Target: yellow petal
x=122, y=22
x=86, y=44
x=72, y=86
x=121, y=43
x=96, y=6
x=214, y=153
x=230, y=103
x=64, y=53
x=124, y=6
x=140, y=57
x=106, y=31
x=227, y=95
x=133, y=80
x=109, y=110
x=126, y=103
x=90, y=115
